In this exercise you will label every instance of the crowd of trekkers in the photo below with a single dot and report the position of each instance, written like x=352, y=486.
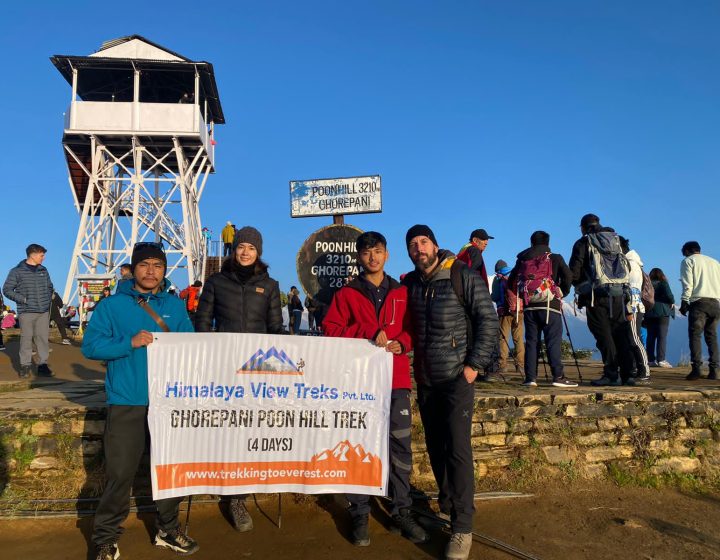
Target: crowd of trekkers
x=442, y=311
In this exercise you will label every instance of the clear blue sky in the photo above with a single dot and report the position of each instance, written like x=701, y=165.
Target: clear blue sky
x=512, y=116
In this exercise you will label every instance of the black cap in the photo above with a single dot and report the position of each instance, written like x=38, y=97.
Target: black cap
x=420, y=229
x=147, y=250
x=480, y=234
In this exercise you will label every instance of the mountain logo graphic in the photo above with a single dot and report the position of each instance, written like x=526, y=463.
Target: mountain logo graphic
x=273, y=361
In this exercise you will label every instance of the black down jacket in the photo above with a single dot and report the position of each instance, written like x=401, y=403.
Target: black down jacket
x=440, y=326
x=250, y=307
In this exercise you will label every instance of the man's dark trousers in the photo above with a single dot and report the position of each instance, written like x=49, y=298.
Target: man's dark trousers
x=703, y=319
x=124, y=444
x=606, y=321
x=400, y=458
x=550, y=325
x=446, y=411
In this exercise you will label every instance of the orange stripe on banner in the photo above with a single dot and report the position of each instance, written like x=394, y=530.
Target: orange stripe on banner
x=312, y=473
x=345, y=463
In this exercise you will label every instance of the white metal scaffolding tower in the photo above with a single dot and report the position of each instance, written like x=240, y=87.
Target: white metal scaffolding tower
x=139, y=143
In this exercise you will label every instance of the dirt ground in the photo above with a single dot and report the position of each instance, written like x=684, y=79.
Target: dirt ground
x=603, y=521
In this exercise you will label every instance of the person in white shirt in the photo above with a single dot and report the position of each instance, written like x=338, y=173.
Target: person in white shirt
x=700, y=277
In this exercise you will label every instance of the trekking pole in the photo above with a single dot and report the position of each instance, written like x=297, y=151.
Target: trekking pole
x=572, y=347
x=187, y=516
x=543, y=347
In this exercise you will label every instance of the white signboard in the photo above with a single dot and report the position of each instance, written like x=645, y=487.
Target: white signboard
x=327, y=197
x=243, y=413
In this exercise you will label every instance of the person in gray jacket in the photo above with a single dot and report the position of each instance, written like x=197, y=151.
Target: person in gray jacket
x=30, y=287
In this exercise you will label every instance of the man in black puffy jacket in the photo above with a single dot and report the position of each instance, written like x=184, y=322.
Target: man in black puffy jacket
x=453, y=340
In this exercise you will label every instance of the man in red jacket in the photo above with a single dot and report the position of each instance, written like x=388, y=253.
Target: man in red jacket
x=372, y=306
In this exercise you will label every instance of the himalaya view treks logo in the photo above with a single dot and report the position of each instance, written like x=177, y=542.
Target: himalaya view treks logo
x=273, y=361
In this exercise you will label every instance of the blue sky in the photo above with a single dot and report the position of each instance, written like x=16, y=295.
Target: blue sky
x=508, y=116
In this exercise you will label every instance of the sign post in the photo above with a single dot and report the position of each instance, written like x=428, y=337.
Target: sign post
x=328, y=258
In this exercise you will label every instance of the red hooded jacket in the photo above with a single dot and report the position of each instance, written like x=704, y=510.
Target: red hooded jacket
x=352, y=315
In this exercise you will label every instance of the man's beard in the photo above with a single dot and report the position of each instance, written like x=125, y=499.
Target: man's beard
x=425, y=265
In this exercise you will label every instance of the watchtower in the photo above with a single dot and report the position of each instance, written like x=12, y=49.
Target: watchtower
x=139, y=143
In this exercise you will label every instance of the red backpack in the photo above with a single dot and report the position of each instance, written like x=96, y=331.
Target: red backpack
x=535, y=282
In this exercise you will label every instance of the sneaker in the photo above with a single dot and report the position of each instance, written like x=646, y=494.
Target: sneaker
x=360, y=534
x=641, y=380
x=529, y=383
x=241, y=520
x=25, y=372
x=605, y=381
x=664, y=364
x=66, y=342
x=654, y=364
x=694, y=375
x=406, y=525
x=563, y=382
x=458, y=548
x=108, y=552
x=2, y=347
x=177, y=541
x=44, y=371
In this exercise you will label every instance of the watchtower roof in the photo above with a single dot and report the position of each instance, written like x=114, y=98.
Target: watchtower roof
x=166, y=75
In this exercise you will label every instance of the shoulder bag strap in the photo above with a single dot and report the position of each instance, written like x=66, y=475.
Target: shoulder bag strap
x=142, y=302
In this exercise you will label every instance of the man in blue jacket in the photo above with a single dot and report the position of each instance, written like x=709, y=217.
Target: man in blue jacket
x=119, y=332
x=29, y=285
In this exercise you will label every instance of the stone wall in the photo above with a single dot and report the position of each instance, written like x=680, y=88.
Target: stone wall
x=58, y=453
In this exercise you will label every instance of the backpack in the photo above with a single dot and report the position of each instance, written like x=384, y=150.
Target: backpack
x=464, y=255
x=610, y=269
x=535, y=282
x=647, y=293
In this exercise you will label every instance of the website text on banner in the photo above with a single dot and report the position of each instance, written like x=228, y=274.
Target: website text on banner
x=242, y=413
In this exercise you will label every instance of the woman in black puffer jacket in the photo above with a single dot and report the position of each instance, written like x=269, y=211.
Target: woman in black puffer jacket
x=241, y=298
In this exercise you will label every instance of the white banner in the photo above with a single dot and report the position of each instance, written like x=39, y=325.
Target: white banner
x=243, y=413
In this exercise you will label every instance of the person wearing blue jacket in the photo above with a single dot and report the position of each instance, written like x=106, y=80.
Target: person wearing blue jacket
x=119, y=332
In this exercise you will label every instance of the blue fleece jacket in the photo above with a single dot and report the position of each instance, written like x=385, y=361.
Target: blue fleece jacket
x=114, y=322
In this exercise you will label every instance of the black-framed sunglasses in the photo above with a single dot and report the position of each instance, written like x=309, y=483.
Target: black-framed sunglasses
x=152, y=244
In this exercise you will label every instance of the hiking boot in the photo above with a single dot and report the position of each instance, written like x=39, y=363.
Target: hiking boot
x=694, y=374
x=653, y=364
x=2, y=347
x=25, y=372
x=177, y=541
x=606, y=381
x=406, y=525
x=529, y=383
x=108, y=552
x=563, y=382
x=458, y=548
x=241, y=519
x=665, y=364
x=66, y=342
x=44, y=371
x=712, y=374
x=640, y=380
x=360, y=534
